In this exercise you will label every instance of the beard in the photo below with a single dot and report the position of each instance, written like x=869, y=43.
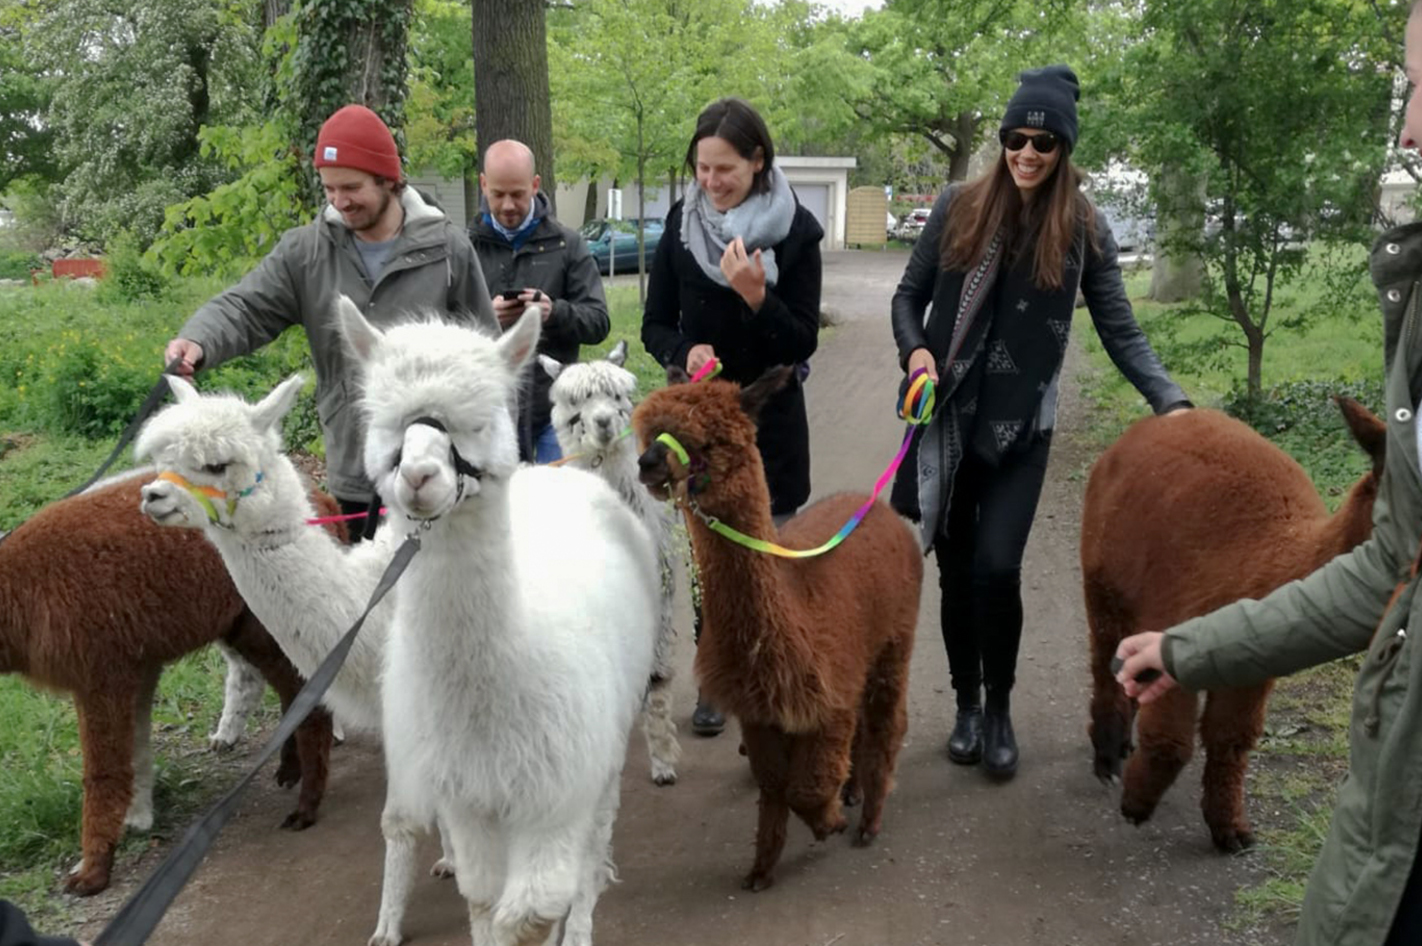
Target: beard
x=364, y=218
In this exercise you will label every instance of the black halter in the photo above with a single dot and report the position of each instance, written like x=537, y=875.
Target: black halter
x=461, y=465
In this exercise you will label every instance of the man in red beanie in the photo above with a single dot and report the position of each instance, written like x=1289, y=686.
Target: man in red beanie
x=376, y=241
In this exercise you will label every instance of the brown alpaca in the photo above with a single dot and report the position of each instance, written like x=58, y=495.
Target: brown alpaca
x=811, y=655
x=94, y=600
x=1185, y=514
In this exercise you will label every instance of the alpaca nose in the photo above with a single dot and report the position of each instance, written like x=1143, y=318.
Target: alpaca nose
x=604, y=422
x=651, y=465
x=417, y=474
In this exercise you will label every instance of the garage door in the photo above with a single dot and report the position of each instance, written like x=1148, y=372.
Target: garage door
x=815, y=198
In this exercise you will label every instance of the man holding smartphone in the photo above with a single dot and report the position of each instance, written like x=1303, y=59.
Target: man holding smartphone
x=529, y=258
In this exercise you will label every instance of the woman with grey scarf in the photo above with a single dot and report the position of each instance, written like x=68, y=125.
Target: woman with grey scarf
x=737, y=277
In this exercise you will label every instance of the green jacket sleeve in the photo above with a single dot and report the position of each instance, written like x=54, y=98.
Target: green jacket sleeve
x=580, y=317
x=250, y=314
x=469, y=292
x=1328, y=614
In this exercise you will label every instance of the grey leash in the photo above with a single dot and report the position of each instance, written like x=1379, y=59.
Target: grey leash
x=143, y=911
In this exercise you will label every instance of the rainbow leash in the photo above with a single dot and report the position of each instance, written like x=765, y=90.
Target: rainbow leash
x=916, y=409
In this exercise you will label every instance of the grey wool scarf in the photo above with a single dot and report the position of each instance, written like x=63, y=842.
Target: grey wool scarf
x=761, y=220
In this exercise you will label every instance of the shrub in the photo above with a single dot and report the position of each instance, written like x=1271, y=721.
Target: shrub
x=16, y=264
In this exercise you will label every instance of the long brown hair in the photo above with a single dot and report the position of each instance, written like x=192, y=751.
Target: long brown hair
x=994, y=202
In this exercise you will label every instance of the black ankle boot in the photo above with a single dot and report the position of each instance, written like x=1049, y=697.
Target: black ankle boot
x=707, y=720
x=999, y=742
x=965, y=744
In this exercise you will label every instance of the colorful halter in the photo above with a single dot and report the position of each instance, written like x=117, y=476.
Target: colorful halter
x=916, y=408
x=206, y=494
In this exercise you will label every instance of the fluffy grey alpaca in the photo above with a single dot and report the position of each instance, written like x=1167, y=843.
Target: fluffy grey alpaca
x=592, y=410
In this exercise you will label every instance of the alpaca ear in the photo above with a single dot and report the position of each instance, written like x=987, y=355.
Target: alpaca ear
x=182, y=388
x=1370, y=432
x=360, y=336
x=271, y=409
x=675, y=375
x=755, y=394
x=552, y=366
x=618, y=355
x=517, y=344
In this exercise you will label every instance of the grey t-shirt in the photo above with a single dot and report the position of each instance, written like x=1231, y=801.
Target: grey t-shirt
x=375, y=256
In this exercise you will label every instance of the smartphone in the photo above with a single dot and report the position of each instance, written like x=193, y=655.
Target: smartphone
x=511, y=294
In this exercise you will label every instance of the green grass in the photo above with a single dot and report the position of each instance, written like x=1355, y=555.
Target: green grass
x=1301, y=759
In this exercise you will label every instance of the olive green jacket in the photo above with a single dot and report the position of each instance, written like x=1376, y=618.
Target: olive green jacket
x=431, y=266
x=1358, y=881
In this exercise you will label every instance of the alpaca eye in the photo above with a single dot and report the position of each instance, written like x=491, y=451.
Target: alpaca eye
x=214, y=469
x=575, y=419
x=395, y=460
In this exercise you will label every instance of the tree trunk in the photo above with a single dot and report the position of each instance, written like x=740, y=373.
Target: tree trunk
x=641, y=210
x=1178, y=269
x=964, y=131
x=511, y=82
x=590, y=201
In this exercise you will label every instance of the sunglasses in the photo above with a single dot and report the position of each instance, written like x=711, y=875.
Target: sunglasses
x=1043, y=142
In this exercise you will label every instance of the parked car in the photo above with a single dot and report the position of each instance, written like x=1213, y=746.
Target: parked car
x=608, y=237
x=912, y=224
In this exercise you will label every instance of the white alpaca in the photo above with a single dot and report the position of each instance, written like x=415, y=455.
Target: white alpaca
x=225, y=473
x=522, y=641
x=592, y=413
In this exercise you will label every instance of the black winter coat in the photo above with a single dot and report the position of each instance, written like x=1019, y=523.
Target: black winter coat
x=685, y=307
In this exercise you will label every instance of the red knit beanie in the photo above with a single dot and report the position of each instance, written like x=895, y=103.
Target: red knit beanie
x=355, y=137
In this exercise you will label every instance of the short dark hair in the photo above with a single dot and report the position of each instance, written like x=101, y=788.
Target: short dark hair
x=737, y=122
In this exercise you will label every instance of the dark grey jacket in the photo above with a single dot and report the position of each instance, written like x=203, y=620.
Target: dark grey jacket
x=556, y=260
x=431, y=266
x=1101, y=285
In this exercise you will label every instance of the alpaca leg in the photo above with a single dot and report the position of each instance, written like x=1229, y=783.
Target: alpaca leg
x=306, y=756
x=140, y=808
x=1167, y=740
x=1232, y=723
x=769, y=753
x=476, y=850
x=882, y=724
x=401, y=830
x=660, y=730
x=1111, y=710
x=819, y=767
x=598, y=869
x=242, y=692
x=444, y=867
x=106, y=742
x=545, y=866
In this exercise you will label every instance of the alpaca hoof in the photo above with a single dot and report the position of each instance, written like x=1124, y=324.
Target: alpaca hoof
x=86, y=881
x=827, y=826
x=865, y=835
x=850, y=795
x=443, y=869
x=298, y=821
x=385, y=939
x=1107, y=769
x=219, y=744
x=664, y=778
x=1233, y=840
x=1137, y=814
x=742, y=749
x=755, y=882
x=288, y=775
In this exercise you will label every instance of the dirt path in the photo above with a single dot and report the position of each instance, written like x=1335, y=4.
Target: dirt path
x=1044, y=859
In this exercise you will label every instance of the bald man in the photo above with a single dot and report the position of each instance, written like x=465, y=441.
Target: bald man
x=530, y=258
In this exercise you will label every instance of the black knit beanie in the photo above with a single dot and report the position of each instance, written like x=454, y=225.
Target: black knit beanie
x=1046, y=99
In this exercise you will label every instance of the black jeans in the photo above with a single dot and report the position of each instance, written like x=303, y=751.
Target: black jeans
x=1407, y=925
x=980, y=567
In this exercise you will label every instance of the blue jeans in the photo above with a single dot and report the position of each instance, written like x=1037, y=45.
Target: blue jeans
x=545, y=446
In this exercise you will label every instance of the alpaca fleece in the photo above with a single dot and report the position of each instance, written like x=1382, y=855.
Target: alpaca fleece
x=811, y=655
x=94, y=601
x=1185, y=514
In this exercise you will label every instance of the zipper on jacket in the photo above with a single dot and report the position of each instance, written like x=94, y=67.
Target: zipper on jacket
x=1387, y=658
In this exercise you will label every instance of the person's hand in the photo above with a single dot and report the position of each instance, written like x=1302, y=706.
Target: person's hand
x=745, y=272
x=697, y=357
x=1140, y=653
x=508, y=311
x=188, y=350
x=923, y=358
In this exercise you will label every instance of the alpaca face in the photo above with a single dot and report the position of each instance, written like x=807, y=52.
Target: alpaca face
x=453, y=376
x=211, y=453
x=592, y=401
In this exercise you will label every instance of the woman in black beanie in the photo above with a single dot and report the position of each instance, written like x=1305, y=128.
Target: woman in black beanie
x=1001, y=259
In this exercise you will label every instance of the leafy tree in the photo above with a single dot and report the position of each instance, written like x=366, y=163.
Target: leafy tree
x=1278, y=108
x=439, y=111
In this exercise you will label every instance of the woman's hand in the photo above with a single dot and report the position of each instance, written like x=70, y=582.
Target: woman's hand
x=1141, y=653
x=745, y=272
x=923, y=358
x=697, y=357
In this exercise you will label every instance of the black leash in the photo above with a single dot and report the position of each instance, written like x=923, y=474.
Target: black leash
x=150, y=403
x=142, y=913
x=155, y=397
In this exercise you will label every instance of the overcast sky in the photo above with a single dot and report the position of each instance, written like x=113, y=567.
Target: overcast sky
x=852, y=7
